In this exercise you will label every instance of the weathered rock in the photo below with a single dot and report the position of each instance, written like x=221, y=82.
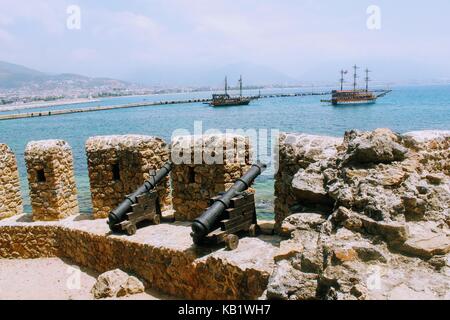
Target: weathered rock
x=132, y=286
x=308, y=187
x=388, y=237
x=368, y=253
x=428, y=135
x=311, y=257
x=302, y=221
x=266, y=227
x=427, y=245
x=110, y=283
x=289, y=283
x=297, y=151
x=403, y=292
x=381, y=145
x=393, y=232
x=288, y=249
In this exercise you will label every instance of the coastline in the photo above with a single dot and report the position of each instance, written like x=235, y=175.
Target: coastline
x=42, y=104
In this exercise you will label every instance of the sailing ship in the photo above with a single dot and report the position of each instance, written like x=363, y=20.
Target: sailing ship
x=355, y=96
x=225, y=100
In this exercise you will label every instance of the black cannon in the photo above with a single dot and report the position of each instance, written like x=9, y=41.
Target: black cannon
x=141, y=205
x=229, y=213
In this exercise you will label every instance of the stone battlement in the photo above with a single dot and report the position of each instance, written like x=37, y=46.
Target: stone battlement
x=369, y=204
x=118, y=165
x=10, y=197
x=162, y=255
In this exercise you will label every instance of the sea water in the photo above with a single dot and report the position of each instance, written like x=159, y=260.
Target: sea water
x=405, y=109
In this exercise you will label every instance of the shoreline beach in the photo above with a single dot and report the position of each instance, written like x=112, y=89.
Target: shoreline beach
x=43, y=104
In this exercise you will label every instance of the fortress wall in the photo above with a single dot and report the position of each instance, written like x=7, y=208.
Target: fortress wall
x=51, y=179
x=204, y=166
x=118, y=165
x=161, y=255
x=10, y=197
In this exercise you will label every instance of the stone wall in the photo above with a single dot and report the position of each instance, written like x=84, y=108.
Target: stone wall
x=161, y=255
x=51, y=179
x=298, y=151
x=204, y=166
x=118, y=165
x=10, y=197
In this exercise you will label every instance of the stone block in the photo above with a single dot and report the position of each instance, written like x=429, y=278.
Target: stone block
x=10, y=197
x=51, y=178
x=118, y=165
x=205, y=166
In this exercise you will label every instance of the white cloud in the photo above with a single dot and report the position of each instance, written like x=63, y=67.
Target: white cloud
x=49, y=14
x=5, y=37
x=126, y=25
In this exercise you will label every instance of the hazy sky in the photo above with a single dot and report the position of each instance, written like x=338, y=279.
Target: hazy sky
x=306, y=40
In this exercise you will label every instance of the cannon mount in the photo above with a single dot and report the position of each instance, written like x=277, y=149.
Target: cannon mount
x=142, y=205
x=230, y=213
x=240, y=217
x=147, y=208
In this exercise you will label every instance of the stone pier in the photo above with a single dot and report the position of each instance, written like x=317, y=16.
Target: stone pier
x=10, y=197
x=204, y=166
x=118, y=165
x=51, y=179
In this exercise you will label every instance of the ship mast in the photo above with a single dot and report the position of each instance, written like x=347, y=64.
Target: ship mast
x=355, y=76
x=226, y=85
x=240, y=86
x=367, y=80
x=342, y=79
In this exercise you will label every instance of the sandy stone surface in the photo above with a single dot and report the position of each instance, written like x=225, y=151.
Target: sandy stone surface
x=51, y=279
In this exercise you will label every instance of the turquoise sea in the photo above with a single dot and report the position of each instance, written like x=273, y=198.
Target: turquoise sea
x=406, y=109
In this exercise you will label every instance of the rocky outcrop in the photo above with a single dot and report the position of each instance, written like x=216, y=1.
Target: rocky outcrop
x=381, y=224
x=298, y=151
x=116, y=283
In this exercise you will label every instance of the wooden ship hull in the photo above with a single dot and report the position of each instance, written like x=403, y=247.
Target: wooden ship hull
x=225, y=100
x=352, y=97
x=355, y=96
x=231, y=102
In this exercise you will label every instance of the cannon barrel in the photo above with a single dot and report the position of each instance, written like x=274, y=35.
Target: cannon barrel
x=209, y=220
x=119, y=214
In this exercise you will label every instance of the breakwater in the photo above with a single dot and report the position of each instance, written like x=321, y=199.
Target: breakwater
x=48, y=113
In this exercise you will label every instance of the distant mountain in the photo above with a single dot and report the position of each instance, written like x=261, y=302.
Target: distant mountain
x=14, y=76
x=204, y=76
